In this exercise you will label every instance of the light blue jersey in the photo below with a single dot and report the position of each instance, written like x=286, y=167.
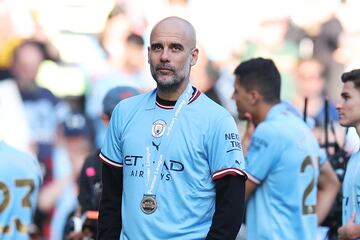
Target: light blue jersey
x=204, y=146
x=283, y=159
x=20, y=178
x=351, y=190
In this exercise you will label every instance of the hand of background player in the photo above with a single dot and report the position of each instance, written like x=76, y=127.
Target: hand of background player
x=250, y=128
x=350, y=230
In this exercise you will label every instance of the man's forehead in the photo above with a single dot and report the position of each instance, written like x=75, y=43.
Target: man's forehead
x=349, y=88
x=165, y=37
x=348, y=85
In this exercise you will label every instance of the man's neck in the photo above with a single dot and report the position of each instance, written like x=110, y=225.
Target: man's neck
x=262, y=113
x=172, y=94
x=168, y=96
x=357, y=127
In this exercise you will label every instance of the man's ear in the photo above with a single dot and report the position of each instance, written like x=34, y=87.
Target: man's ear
x=148, y=54
x=105, y=119
x=194, y=56
x=255, y=96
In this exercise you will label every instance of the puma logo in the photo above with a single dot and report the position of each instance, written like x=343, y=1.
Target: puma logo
x=156, y=145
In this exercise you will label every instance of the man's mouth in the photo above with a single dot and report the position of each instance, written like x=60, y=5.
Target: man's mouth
x=164, y=71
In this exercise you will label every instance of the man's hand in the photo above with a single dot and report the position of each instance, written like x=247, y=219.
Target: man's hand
x=349, y=230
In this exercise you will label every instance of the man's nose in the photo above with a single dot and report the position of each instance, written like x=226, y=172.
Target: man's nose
x=164, y=55
x=338, y=106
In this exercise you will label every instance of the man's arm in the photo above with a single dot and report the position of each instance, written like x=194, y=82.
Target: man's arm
x=110, y=224
x=328, y=187
x=229, y=208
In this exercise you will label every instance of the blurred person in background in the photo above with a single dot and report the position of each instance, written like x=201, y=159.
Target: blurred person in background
x=58, y=197
x=270, y=40
x=310, y=83
x=124, y=66
x=40, y=104
x=20, y=179
x=317, y=36
x=90, y=186
x=291, y=187
x=349, y=113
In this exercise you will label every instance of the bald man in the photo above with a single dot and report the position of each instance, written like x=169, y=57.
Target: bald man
x=179, y=152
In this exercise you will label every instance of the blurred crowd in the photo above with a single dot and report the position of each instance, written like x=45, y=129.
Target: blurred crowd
x=59, y=58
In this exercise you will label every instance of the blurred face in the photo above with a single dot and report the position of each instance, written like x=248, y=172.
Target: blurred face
x=171, y=54
x=309, y=80
x=242, y=99
x=114, y=35
x=134, y=55
x=26, y=64
x=349, y=107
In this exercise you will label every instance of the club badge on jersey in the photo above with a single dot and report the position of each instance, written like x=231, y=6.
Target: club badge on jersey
x=158, y=128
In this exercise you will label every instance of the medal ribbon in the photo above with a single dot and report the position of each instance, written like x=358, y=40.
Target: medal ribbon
x=152, y=183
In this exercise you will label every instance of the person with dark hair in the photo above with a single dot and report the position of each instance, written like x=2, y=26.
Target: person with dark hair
x=349, y=113
x=180, y=153
x=282, y=160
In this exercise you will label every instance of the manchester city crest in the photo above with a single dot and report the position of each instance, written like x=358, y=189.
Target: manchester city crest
x=158, y=128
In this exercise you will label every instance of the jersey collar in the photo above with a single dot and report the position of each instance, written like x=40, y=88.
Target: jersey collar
x=165, y=104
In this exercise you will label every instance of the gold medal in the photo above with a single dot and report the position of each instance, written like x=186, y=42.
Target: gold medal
x=148, y=204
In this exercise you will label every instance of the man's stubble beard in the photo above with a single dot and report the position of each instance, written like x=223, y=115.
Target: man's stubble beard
x=171, y=86
x=168, y=85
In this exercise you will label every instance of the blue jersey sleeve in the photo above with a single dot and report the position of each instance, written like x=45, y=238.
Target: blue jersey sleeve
x=263, y=149
x=225, y=153
x=111, y=151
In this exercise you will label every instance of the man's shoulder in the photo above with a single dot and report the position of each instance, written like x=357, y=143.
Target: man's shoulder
x=135, y=100
x=269, y=127
x=7, y=150
x=19, y=161
x=207, y=105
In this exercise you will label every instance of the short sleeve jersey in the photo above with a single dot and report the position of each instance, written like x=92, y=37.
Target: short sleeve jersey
x=351, y=190
x=20, y=179
x=283, y=159
x=204, y=146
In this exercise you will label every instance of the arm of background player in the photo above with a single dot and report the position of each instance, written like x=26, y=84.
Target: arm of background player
x=328, y=187
x=229, y=208
x=109, y=224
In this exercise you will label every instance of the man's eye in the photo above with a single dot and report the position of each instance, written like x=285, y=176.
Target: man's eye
x=176, y=47
x=156, y=47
